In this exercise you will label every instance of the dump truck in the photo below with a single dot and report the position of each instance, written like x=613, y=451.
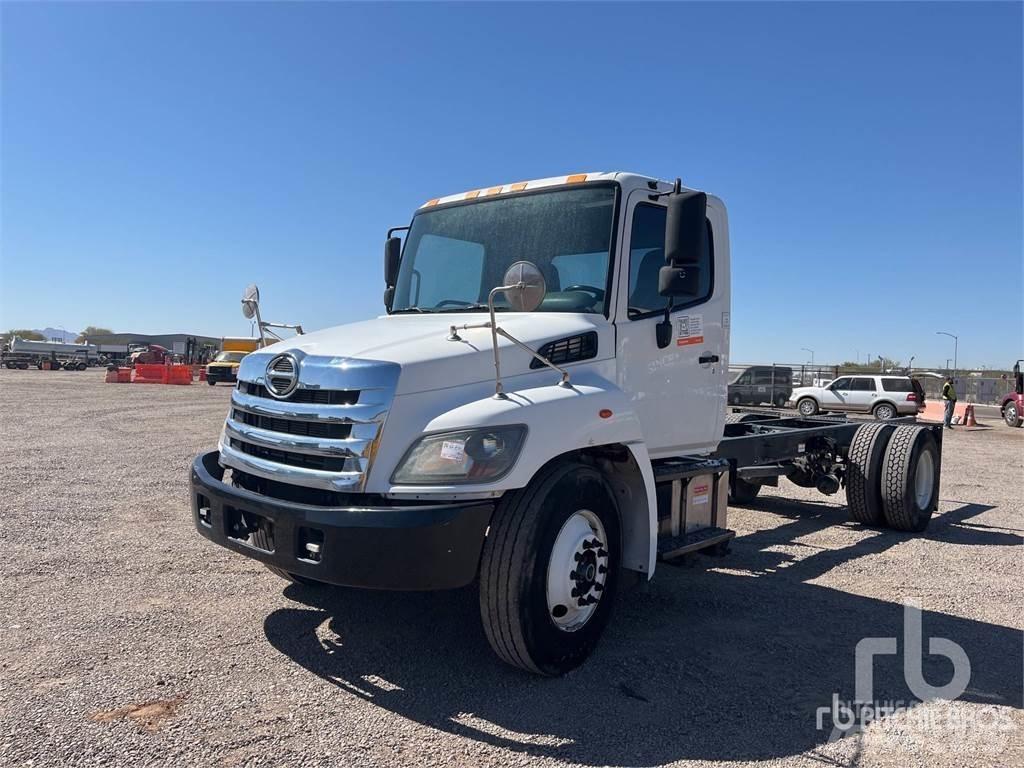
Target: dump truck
x=224, y=366
x=540, y=411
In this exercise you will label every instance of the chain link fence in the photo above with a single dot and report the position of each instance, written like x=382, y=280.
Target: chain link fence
x=772, y=384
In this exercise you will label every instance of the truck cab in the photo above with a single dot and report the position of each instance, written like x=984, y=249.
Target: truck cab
x=540, y=409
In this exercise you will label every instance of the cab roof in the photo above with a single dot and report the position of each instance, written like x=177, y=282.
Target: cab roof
x=628, y=181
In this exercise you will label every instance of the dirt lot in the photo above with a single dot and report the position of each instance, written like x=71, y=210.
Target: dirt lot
x=127, y=638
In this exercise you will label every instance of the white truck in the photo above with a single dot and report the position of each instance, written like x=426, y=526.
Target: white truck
x=22, y=353
x=541, y=410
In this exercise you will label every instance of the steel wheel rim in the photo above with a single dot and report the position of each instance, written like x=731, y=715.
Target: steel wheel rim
x=577, y=571
x=1011, y=412
x=924, y=480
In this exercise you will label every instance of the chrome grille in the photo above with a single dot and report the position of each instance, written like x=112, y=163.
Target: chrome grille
x=307, y=428
x=322, y=396
x=323, y=434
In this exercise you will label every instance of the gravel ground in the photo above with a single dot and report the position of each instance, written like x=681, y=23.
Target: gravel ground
x=129, y=639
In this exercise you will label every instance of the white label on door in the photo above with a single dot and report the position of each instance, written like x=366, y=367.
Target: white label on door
x=691, y=330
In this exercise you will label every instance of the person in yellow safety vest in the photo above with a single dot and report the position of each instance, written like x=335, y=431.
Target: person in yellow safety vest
x=949, y=399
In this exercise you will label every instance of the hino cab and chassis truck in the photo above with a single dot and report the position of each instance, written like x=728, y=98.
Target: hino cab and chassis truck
x=541, y=411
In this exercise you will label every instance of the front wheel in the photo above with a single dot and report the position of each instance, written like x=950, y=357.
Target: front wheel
x=549, y=569
x=210, y=381
x=1012, y=415
x=807, y=407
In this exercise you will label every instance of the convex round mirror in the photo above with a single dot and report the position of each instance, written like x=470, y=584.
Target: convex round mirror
x=250, y=298
x=526, y=286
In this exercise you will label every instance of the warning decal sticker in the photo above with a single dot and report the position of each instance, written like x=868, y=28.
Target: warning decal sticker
x=691, y=330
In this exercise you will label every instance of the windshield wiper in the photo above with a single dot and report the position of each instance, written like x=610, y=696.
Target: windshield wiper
x=474, y=308
x=405, y=310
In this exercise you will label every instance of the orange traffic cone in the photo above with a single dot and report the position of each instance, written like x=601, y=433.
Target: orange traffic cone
x=969, y=420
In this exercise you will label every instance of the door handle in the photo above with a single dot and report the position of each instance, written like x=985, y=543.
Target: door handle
x=703, y=359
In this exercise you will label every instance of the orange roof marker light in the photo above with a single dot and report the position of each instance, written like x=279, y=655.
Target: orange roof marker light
x=431, y=202
x=494, y=191
x=519, y=186
x=575, y=178
x=473, y=195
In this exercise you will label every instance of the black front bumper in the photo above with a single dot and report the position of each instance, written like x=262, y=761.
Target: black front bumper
x=227, y=375
x=426, y=546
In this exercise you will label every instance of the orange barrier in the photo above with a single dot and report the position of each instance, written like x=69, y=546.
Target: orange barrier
x=934, y=410
x=150, y=373
x=179, y=374
x=202, y=373
x=119, y=376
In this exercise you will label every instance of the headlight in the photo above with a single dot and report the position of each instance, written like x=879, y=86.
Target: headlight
x=465, y=456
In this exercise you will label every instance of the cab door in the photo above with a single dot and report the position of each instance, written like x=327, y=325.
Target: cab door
x=679, y=391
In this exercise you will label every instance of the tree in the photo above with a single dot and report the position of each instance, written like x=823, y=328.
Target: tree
x=25, y=333
x=91, y=330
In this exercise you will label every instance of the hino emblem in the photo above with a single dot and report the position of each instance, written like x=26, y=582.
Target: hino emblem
x=282, y=375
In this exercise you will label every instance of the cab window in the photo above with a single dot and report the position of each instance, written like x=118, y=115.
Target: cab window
x=647, y=257
x=840, y=384
x=863, y=385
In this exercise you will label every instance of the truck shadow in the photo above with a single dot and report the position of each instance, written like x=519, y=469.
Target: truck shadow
x=712, y=663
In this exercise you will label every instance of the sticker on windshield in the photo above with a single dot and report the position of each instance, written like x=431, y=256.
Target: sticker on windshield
x=691, y=330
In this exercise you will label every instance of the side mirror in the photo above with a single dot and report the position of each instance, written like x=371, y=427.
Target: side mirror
x=679, y=282
x=250, y=301
x=392, y=256
x=685, y=228
x=524, y=286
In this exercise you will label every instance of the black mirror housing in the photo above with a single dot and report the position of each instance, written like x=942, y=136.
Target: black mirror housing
x=392, y=257
x=685, y=228
x=679, y=282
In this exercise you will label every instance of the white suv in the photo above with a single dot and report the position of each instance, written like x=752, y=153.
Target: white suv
x=886, y=397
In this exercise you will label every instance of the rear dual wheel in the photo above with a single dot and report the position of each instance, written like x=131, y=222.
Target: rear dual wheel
x=892, y=476
x=549, y=569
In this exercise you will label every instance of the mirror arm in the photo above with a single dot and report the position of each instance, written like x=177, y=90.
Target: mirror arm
x=663, y=330
x=565, y=374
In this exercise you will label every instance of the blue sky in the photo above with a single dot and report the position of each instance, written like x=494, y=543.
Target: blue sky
x=158, y=157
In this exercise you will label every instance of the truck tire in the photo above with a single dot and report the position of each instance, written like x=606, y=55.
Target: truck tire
x=1012, y=415
x=884, y=411
x=910, y=479
x=82, y=366
x=551, y=546
x=780, y=400
x=210, y=381
x=864, y=473
x=807, y=406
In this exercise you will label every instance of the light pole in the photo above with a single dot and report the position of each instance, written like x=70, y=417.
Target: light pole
x=956, y=343
x=805, y=349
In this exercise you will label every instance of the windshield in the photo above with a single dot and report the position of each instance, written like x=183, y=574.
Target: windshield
x=454, y=256
x=229, y=357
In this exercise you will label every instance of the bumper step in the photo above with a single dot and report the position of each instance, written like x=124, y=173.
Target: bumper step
x=695, y=541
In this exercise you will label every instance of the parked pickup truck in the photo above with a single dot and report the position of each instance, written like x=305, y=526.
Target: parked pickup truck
x=540, y=410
